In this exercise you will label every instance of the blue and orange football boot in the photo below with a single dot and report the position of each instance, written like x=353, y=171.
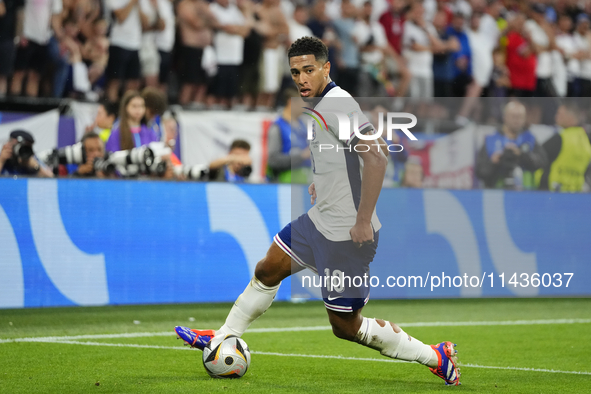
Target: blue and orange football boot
x=194, y=338
x=447, y=368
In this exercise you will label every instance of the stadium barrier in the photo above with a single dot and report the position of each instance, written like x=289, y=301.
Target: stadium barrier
x=97, y=242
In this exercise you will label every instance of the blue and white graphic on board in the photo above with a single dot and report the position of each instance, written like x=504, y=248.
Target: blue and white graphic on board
x=91, y=242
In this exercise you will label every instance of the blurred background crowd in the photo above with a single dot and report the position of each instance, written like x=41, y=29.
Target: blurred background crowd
x=232, y=52
x=136, y=56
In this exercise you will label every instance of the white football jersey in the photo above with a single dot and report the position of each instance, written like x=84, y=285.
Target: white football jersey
x=337, y=170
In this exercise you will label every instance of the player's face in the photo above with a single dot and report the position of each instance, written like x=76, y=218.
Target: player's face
x=309, y=75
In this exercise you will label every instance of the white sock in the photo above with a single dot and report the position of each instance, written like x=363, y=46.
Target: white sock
x=393, y=344
x=252, y=303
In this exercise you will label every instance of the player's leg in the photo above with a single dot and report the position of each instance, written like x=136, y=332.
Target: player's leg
x=380, y=335
x=286, y=256
x=254, y=300
x=391, y=341
x=346, y=292
x=260, y=292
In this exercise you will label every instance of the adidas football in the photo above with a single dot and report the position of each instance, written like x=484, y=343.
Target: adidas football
x=226, y=357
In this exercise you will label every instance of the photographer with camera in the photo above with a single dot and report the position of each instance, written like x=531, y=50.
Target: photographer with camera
x=17, y=157
x=509, y=157
x=93, y=148
x=234, y=167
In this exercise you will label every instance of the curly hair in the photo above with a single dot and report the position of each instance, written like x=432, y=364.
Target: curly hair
x=309, y=46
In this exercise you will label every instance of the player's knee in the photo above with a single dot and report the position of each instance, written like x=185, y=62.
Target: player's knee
x=261, y=271
x=343, y=330
x=266, y=273
x=274, y=267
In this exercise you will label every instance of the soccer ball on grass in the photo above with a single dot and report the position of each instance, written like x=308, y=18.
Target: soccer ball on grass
x=226, y=357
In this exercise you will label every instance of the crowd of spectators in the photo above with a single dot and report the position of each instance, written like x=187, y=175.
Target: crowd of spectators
x=232, y=52
x=135, y=139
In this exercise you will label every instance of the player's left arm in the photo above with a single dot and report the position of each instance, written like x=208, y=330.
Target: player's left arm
x=375, y=160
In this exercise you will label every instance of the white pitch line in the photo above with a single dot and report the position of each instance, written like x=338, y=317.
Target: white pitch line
x=308, y=328
x=383, y=360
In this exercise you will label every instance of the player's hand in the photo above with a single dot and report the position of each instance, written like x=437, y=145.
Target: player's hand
x=312, y=193
x=361, y=234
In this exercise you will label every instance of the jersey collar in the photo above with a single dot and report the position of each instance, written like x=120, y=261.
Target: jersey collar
x=328, y=88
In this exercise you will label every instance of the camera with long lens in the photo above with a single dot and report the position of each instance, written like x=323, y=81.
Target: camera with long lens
x=142, y=156
x=72, y=154
x=104, y=165
x=196, y=173
x=142, y=160
x=22, y=151
x=158, y=168
x=244, y=171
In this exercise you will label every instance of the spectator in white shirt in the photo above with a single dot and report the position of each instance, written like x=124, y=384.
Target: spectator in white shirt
x=274, y=29
x=488, y=22
x=482, y=48
x=297, y=25
x=126, y=40
x=583, y=46
x=419, y=41
x=565, y=43
x=196, y=24
x=42, y=20
x=543, y=38
x=370, y=35
x=149, y=57
x=228, y=42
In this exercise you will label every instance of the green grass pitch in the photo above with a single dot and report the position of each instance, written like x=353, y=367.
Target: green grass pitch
x=504, y=345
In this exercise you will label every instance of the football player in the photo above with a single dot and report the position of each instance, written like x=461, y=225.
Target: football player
x=339, y=235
